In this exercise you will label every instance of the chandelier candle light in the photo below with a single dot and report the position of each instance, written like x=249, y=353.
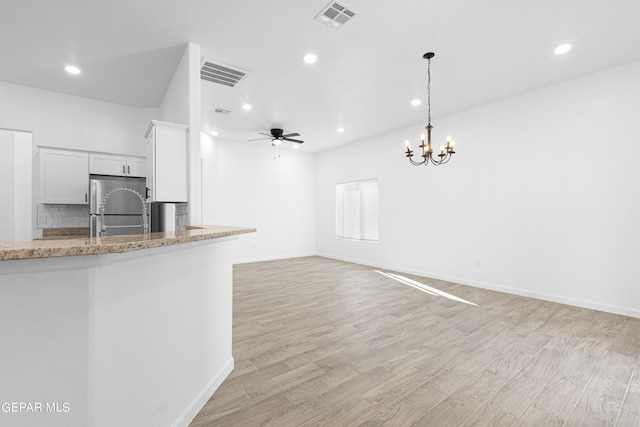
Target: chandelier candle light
x=446, y=151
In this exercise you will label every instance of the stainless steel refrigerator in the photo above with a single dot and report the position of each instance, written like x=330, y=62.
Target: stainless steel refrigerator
x=122, y=201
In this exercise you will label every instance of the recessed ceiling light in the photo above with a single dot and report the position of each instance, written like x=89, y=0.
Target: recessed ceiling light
x=562, y=49
x=295, y=146
x=416, y=102
x=214, y=133
x=246, y=107
x=310, y=58
x=340, y=129
x=72, y=69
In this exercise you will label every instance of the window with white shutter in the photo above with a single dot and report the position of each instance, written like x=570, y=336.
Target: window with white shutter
x=357, y=210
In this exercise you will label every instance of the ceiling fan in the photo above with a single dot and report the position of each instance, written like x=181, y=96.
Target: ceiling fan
x=277, y=137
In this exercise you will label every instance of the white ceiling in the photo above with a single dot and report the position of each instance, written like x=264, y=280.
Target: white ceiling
x=366, y=74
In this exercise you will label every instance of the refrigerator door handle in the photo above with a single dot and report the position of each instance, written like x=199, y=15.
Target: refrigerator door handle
x=93, y=226
x=93, y=203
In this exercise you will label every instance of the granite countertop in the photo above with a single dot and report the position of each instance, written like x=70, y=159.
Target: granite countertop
x=114, y=244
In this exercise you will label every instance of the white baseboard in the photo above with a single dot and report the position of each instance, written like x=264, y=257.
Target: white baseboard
x=203, y=397
x=625, y=311
x=273, y=258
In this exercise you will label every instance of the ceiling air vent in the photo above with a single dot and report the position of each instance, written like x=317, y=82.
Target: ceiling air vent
x=335, y=14
x=221, y=73
x=221, y=111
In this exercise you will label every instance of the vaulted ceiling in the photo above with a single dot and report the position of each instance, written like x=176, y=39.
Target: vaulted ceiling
x=366, y=74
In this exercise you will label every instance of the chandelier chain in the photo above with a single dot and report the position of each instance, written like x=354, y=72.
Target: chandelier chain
x=429, y=88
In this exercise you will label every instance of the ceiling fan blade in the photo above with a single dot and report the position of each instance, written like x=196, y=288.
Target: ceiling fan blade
x=260, y=139
x=290, y=134
x=293, y=140
x=266, y=134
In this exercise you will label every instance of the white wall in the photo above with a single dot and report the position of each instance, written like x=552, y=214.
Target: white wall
x=243, y=185
x=540, y=200
x=69, y=121
x=181, y=104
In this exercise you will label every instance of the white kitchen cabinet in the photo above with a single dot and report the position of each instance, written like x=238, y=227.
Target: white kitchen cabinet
x=166, y=162
x=136, y=166
x=64, y=176
x=117, y=165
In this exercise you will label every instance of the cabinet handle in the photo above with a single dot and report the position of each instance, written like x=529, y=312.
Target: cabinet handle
x=85, y=197
x=123, y=170
x=129, y=169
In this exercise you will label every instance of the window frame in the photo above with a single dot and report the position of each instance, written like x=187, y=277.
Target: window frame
x=364, y=215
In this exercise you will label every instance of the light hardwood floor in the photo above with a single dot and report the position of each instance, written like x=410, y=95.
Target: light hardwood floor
x=321, y=342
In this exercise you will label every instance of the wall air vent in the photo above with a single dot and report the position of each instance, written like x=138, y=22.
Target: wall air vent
x=335, y=14
x=221, y=111
x=221, y=73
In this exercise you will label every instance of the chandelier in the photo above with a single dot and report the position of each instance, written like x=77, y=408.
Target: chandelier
x=446, y=150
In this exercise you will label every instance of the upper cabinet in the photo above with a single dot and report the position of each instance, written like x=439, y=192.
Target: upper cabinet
x=113, y=164
x=166, y=162
x=137, y=166
x=64, y=176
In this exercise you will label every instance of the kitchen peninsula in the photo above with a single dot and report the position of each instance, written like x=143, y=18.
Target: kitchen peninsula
x=126, y=330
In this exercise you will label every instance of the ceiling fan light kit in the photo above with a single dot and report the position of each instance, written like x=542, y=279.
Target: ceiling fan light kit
x=277, y=136
x=446, y=150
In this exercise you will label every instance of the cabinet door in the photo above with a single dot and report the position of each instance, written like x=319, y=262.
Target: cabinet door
x=136, y=166
x=64, y=176
x=171, y=164
x=167, y=162
x=150, y=165
x=107, y=164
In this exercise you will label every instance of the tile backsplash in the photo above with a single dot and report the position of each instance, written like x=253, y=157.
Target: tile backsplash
x=63, y=216
x=77, y=216
x=182, y=215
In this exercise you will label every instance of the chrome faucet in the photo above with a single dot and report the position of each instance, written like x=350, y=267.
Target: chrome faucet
x=145, y=222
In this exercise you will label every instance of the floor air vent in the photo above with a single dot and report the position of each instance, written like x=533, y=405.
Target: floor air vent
x=335, y=14
x=221, y=73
